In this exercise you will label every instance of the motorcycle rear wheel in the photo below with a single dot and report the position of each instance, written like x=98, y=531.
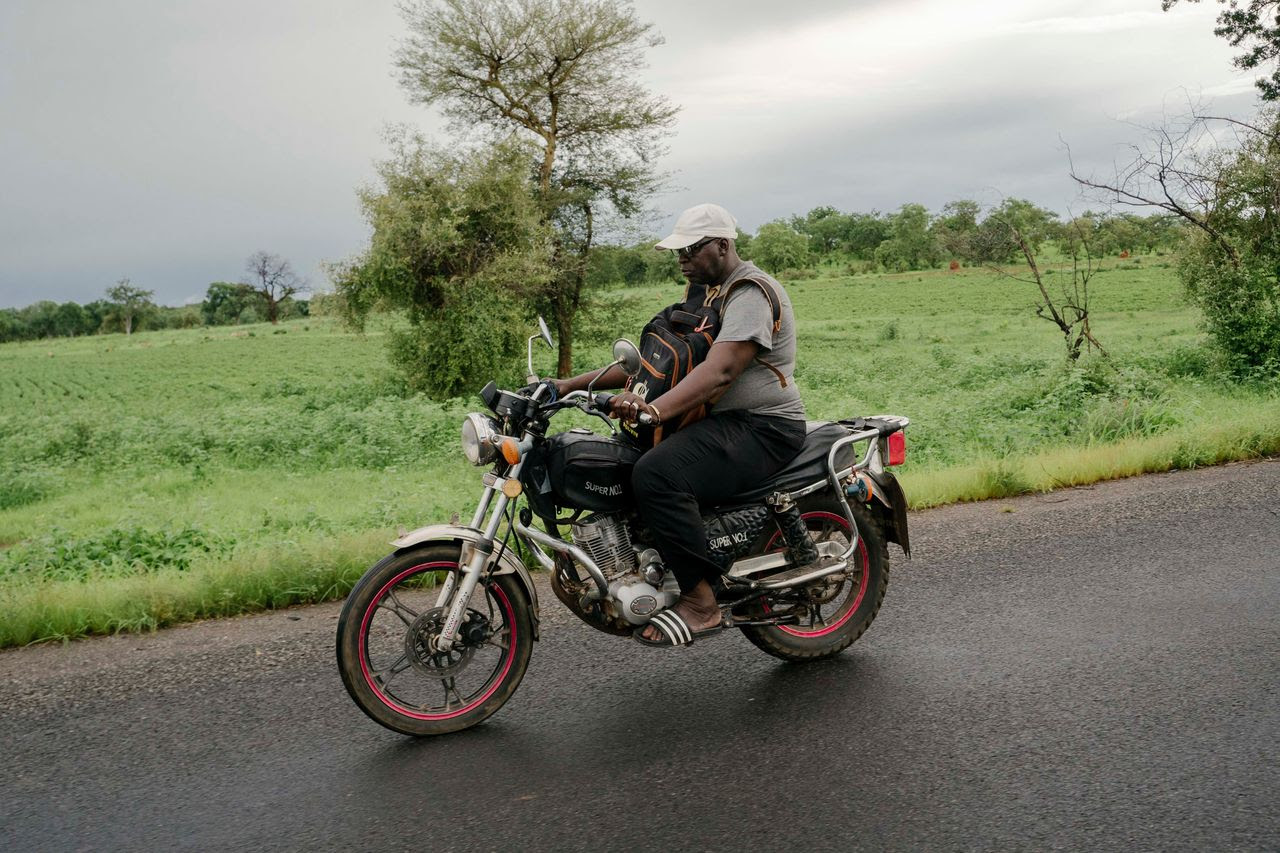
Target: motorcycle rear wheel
x=837, y=615
x=392, y=673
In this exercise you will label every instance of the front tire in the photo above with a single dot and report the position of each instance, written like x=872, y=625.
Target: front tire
x=386, y=660
x=837, y=615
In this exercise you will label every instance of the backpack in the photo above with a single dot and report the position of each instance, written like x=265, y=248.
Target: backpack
x=676, y=341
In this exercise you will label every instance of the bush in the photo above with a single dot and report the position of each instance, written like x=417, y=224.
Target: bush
x=458, y=243
x=475, y=338
x=20, y=490
x=118, y=552
x=1241, y=303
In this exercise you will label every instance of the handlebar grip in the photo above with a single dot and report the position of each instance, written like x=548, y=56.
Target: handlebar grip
x=604, y=398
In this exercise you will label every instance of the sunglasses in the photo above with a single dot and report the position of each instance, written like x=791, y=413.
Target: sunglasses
x=689, y=251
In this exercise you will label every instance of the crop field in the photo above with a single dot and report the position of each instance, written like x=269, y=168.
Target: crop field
x=185, y=474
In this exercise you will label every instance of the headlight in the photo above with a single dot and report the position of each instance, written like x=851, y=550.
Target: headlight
x=477, y=439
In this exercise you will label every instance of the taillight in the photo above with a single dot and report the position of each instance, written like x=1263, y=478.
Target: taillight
x=897, y=448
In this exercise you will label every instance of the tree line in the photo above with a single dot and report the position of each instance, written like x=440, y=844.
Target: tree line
x=267, y=294
x=910, y=238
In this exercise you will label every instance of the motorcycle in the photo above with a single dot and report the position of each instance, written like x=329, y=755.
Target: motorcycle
x=437, y=636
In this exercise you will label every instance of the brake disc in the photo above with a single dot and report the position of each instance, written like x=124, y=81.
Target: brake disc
x=420, y=643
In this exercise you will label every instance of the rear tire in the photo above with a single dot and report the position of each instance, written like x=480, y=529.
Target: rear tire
x=388, y=668
x=850, y=609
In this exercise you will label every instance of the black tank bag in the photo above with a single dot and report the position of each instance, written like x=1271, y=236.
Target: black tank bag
x=676, y=341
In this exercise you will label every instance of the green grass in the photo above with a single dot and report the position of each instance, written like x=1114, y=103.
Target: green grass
x=187, y=474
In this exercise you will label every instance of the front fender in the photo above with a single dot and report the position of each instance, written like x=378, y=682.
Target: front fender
x=508, y=562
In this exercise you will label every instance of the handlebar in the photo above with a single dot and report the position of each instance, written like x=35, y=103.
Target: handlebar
x=603, y=400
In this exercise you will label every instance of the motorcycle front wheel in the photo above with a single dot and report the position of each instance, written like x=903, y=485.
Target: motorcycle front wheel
x=830, y=613
x=389, y=662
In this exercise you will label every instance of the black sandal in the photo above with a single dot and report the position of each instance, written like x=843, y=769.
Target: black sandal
x=675, y=631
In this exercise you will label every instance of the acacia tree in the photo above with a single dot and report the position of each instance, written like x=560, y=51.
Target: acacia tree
x=1256, y=25
x=274, y=280
x=129, y=302
x=562, y=73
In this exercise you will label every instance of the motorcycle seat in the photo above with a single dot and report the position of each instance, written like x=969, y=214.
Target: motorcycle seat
x=805, y=467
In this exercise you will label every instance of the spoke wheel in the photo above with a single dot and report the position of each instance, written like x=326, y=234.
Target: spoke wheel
x=831, y=613
x=394, y=664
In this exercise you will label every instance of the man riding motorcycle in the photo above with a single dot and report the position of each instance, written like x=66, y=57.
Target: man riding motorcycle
x=755, y=421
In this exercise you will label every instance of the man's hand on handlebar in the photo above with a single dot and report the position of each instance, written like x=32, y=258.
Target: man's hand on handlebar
x=629, y=407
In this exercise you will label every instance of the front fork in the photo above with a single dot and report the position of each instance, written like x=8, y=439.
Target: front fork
x=475, y=556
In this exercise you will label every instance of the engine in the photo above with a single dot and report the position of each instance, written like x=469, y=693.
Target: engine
x=638, y=584
x=607, y=543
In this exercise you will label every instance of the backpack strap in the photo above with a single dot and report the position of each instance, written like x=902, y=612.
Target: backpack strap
x=775, y=303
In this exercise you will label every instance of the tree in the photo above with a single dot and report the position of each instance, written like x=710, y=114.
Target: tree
x=129, y=302
x=226, y=302
x=562, y=73
x=955, y=228
x=457, y=238
x=777, y=246
x=1228, y=194
x=827, y=229
x=274, y=280
x=1255, y=24
x=866, y=232
x=1066, y=304
x=98, y=313
x=70, y=320
x=1000, y=236
x=11, y=326
x=909, y=245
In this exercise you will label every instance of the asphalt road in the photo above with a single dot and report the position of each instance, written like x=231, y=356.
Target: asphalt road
x=1091, y=669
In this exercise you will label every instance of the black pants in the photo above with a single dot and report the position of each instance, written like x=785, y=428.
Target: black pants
x=704, y=464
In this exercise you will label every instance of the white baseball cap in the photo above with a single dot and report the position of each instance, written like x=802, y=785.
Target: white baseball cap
x=701, y=220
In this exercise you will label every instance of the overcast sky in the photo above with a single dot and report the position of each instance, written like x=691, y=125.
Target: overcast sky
x=166, y=141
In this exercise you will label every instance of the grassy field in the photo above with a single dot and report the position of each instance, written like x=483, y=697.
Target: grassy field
x=177, y=475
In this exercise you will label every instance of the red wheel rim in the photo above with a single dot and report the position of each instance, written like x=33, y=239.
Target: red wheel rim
x=489, y=688
x=861, y=593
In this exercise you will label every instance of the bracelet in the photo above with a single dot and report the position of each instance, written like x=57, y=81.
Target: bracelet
x=657, y=416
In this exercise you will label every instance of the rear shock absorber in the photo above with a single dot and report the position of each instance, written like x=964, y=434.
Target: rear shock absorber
x=801, y=550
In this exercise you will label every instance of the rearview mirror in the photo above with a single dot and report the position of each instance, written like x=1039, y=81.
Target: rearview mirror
x=545, y=334
x=626, y=354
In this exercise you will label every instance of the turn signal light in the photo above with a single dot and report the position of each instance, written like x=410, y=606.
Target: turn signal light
x=510, y=450
x=897, y=448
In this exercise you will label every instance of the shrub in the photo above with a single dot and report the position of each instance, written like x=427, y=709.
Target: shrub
x=118, y=552
x=1241, y=302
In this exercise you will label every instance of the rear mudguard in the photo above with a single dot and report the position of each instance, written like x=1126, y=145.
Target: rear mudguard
x=890, y=505
x=508, y=562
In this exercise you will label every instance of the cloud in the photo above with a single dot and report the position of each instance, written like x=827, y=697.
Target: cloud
x=167, y=141
x=1085, y=25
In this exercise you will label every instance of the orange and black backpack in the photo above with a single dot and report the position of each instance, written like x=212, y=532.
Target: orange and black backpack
x=677, y=340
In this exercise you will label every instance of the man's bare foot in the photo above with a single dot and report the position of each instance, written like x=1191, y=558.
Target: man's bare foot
x=697, y=608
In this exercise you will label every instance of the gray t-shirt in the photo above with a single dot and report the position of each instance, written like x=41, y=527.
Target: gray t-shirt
x=769, y=388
